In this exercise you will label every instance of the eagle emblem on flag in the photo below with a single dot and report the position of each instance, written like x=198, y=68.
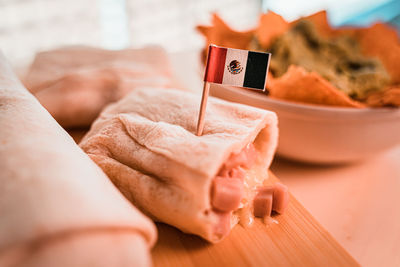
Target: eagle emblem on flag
x=234, y=67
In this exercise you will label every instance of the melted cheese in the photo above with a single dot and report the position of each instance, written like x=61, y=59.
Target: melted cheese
x=256, y=176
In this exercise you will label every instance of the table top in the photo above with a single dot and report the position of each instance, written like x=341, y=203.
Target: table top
x=357, y=203
x=294, y=238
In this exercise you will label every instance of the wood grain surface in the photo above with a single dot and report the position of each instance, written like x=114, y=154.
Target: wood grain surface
x=297, y=240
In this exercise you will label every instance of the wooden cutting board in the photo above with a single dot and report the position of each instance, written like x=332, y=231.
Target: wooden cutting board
x=297, y=240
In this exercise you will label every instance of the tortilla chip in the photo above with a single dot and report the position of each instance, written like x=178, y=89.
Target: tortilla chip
x=382, y=41
x=320, y=20
x=221, y=34
x=379, y=40
x=390, y=97
x=270, y=26
x=308, y=87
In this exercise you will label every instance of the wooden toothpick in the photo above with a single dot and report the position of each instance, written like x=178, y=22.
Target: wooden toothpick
x=203, y=105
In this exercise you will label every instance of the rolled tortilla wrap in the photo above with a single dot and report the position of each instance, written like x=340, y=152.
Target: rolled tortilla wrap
x=146, y=144
x=49, y=66
x=75, y=83
x=57, y=207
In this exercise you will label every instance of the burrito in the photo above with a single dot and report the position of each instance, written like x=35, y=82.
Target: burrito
x=75, y=83
x=57, y=207
x=203, y=185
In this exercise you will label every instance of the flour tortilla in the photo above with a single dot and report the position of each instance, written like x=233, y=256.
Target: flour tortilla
x=75, y=83
x=146, y=144
x=57, y=207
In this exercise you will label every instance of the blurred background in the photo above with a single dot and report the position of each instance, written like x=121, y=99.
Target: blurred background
x=28, y=26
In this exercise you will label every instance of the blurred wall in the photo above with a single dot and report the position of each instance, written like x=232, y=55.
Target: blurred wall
x=172, y=22
x=28, y=26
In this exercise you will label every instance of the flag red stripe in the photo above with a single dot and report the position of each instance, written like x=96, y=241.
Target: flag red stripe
x=215, y=64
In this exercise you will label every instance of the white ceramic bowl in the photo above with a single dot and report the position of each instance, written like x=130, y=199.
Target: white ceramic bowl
x=327, y=135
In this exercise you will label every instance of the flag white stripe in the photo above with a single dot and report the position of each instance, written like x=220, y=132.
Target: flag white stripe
x=235, y=79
